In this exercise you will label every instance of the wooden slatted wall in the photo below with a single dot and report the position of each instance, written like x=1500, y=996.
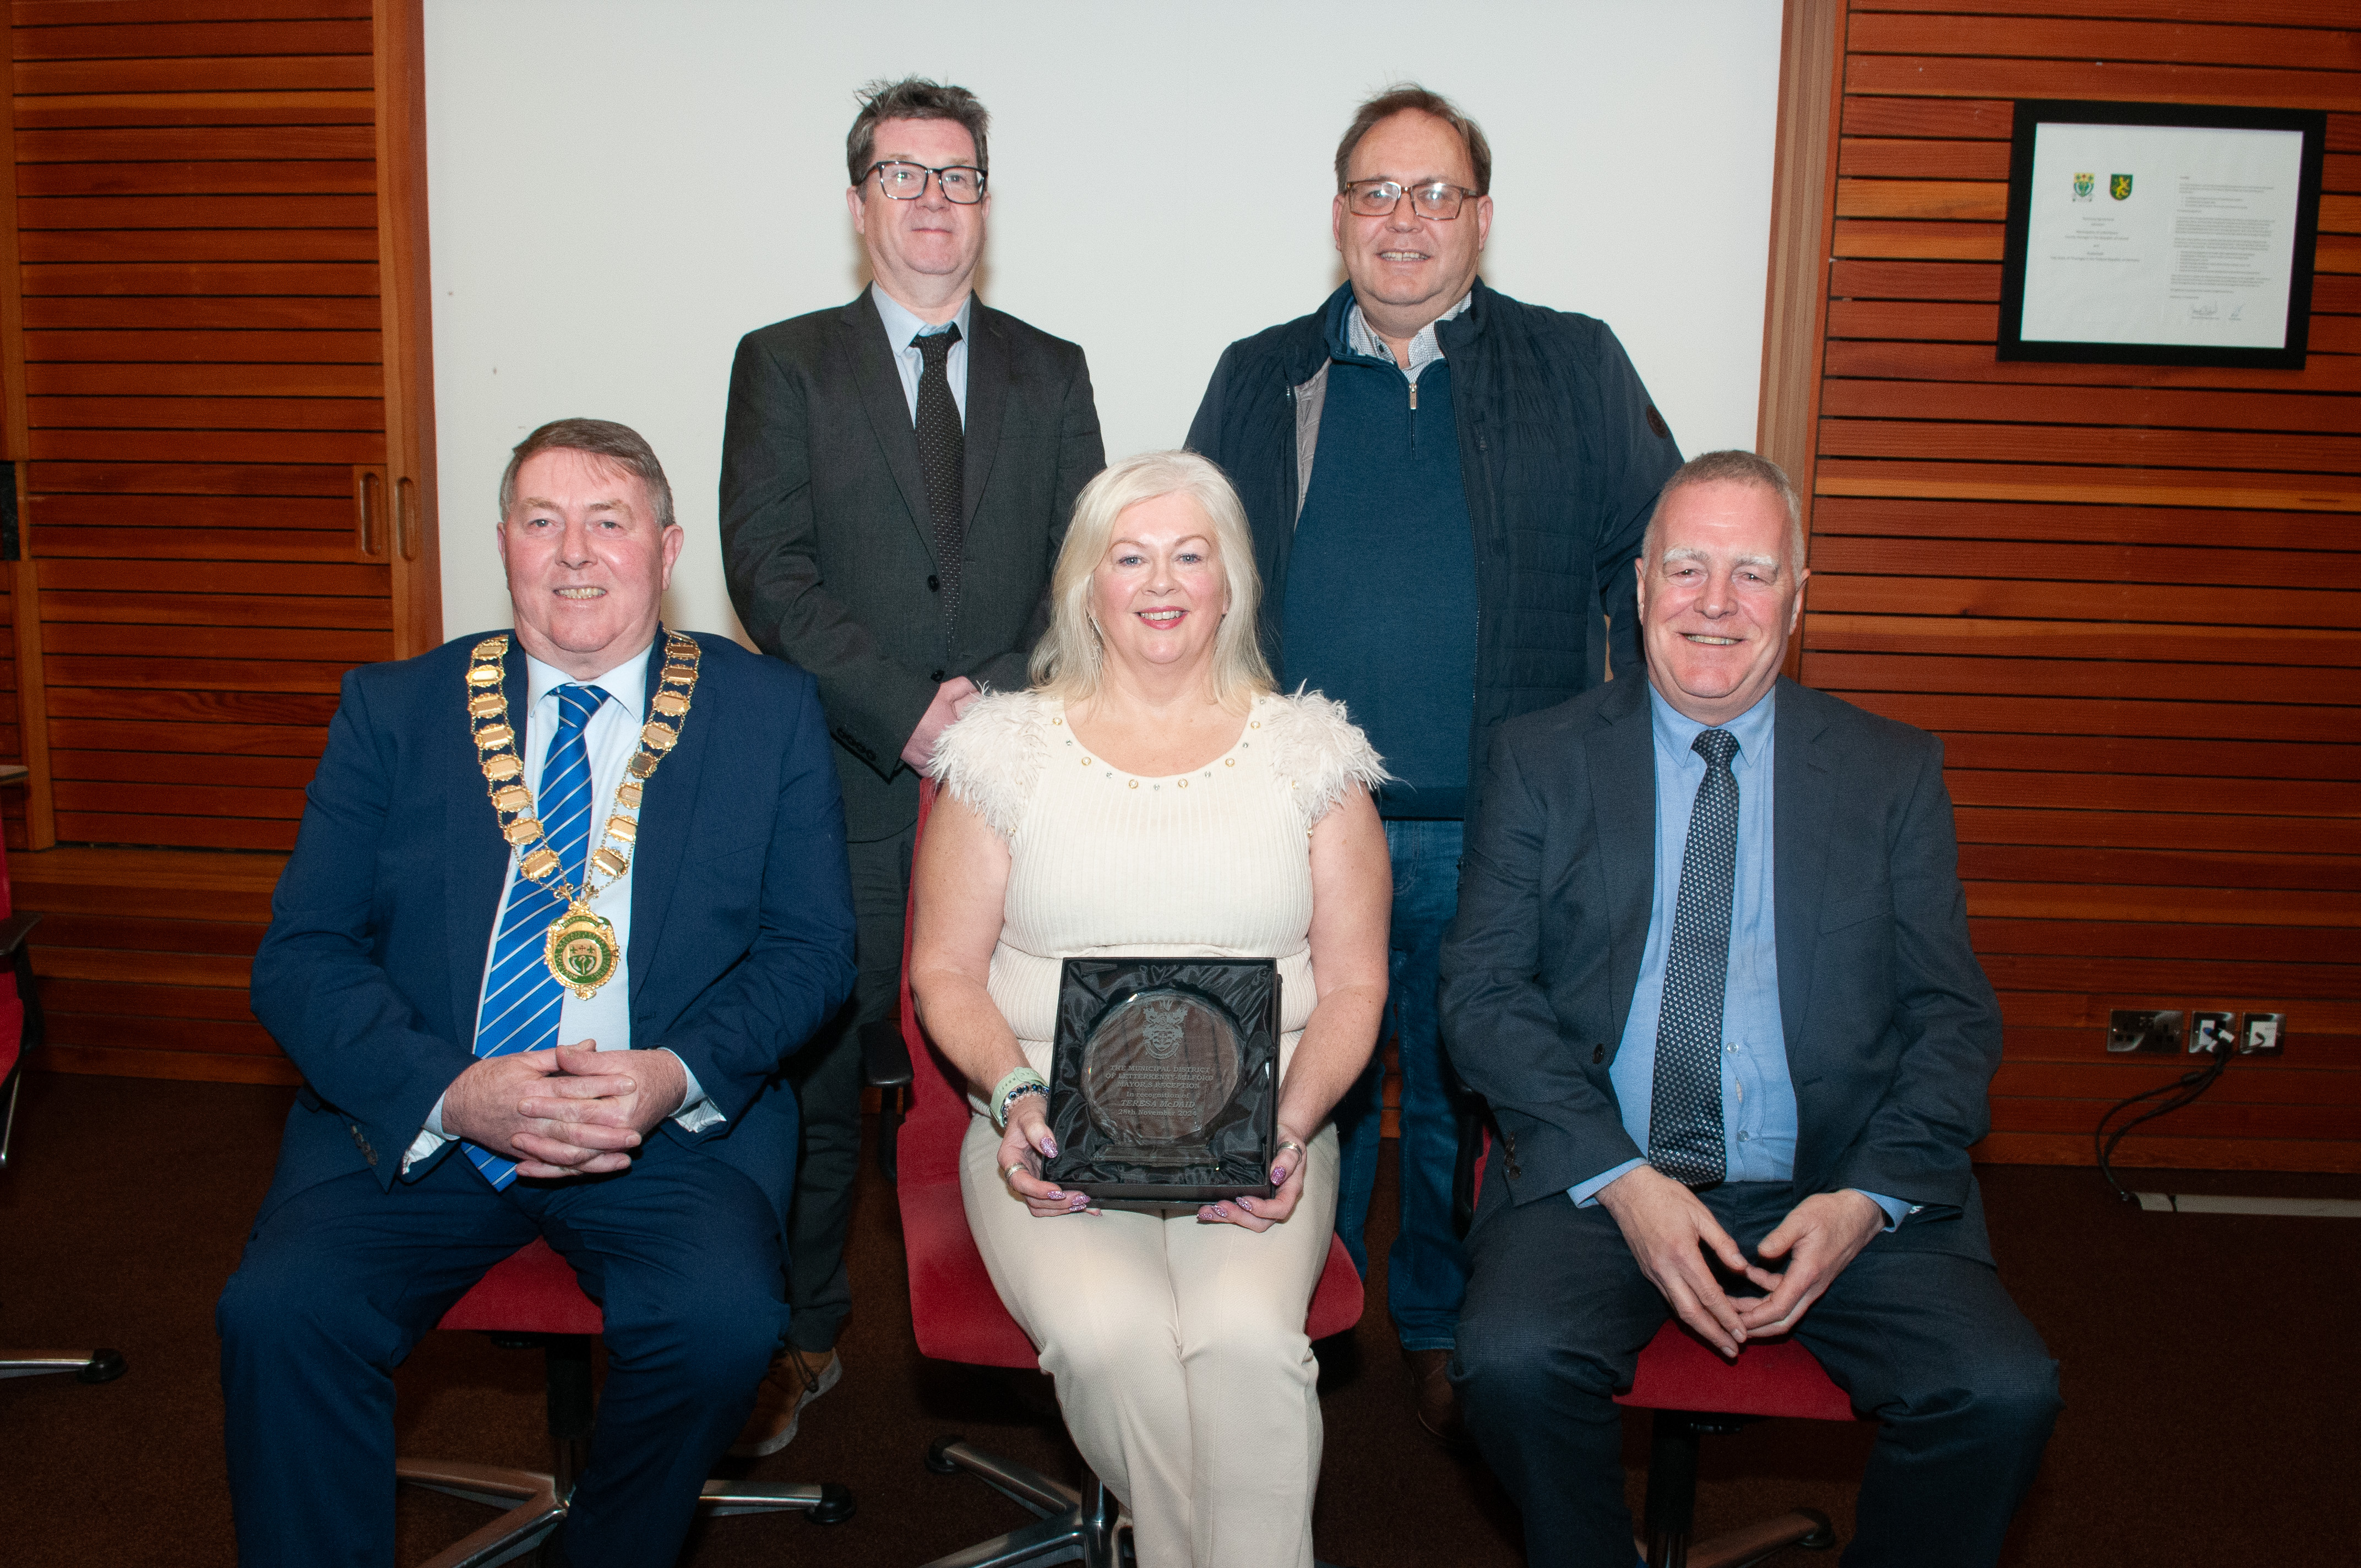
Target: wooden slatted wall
x=2128, y=598
x=208, y=195
x=198, y=245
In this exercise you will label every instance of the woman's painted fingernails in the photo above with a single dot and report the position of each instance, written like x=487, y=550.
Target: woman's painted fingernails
x=1279, y=1176
x=1050, y=1148
x=1248, y=1204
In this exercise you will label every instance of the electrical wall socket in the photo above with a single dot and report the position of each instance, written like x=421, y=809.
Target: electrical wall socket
x=2212, y=1033
x=2143, y=1029
x=2261, y=1036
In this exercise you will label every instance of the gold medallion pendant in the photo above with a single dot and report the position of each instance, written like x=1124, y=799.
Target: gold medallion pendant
x=580, y=950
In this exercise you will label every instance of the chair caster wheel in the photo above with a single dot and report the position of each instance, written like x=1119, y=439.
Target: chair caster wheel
x=105, y=1366
x=935, y=1452
x=835, y=1505
x=1821, y=1539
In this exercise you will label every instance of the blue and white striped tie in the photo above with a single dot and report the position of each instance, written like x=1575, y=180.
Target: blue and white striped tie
x=521, y=997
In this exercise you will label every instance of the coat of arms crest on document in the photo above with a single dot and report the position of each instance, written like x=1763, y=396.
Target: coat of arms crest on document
x=2083, y=186
x=2119, y=186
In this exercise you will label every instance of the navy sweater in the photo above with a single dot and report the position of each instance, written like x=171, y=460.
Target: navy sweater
x=1380, y=604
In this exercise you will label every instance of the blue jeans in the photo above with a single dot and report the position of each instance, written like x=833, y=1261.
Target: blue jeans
x=1426, y=1273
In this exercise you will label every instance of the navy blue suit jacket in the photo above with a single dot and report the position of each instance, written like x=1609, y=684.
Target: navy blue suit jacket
x=742, y=911
x=1893, y=1032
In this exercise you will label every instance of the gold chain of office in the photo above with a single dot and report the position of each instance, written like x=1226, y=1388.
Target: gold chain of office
x=580, y=950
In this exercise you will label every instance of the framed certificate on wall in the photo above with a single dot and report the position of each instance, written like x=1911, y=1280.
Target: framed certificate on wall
x=2161, y=234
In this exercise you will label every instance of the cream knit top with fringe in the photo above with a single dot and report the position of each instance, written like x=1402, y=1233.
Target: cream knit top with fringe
x=1215, y=863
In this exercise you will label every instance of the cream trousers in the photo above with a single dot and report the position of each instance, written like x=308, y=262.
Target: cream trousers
x=1179, y=1357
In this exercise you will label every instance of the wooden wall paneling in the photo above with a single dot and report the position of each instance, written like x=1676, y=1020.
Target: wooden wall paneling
x=219, y=246
x=144, y=962
x=1796, y=302
x=31, y=821
x=206, y=276
x=2128, y=598
x=407, y=301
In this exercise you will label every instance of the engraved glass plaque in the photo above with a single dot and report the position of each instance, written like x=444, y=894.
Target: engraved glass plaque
x=1164, y=1082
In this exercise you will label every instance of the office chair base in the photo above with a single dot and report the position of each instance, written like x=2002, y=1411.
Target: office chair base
x=534, y=1509
x=87, y=1365
x=1072, y=1527
x=1806, y=1527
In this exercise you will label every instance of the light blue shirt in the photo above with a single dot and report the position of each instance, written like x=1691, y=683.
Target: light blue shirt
x=901, y=326
x=1758, y=1094
x=1425, y=345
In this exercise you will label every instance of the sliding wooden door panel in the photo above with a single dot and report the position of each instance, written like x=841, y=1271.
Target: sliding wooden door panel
x=217, y=363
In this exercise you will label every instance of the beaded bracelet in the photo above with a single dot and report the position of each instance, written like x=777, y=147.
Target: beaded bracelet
x=1019, y=1080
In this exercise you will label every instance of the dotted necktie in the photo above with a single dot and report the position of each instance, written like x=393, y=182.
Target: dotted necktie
x=521, y=998
x=942, y=459
x=1684, y=1139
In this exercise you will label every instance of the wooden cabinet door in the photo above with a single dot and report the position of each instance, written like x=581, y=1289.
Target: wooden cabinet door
x=218, y=403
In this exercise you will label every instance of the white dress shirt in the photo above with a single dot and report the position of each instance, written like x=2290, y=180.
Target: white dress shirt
x=611, y=736
x=901, y=326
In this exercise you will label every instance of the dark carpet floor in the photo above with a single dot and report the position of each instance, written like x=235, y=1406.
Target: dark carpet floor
x=2211, y=1369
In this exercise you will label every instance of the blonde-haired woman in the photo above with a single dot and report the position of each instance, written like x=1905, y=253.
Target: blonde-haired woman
x=1152, y=793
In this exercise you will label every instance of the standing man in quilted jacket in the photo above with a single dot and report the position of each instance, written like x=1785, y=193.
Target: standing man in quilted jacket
x=1448, y=489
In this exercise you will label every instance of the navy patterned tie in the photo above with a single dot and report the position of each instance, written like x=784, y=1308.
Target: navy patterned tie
x=1684, y=1136
x=942, y=459
x=521, y=998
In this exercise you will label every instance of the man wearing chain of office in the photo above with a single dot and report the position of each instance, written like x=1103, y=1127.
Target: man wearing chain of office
x=562, y=900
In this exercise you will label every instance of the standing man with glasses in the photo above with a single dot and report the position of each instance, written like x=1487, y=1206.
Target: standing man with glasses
x=1447, y=486
x=895, y=479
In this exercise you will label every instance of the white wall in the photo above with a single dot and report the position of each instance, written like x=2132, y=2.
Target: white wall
x=621, y=189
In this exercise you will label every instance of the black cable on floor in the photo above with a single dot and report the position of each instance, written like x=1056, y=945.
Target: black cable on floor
x=2190, y=1085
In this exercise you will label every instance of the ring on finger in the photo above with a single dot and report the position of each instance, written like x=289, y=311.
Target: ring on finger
x=1010, y=1171
x=1291, y=1144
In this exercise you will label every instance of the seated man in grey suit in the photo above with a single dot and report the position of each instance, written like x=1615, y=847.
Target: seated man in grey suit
x=895, y=479
x=1737, y=1057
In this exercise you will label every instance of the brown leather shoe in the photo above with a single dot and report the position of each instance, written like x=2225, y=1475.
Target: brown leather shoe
x=1438, y=1402
x=797, y=1377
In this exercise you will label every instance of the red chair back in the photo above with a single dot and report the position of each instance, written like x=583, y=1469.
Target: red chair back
x=954, y=1311
x=1679, y=1371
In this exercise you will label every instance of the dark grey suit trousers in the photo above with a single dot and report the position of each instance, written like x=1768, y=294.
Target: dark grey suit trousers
x=1925, y=1339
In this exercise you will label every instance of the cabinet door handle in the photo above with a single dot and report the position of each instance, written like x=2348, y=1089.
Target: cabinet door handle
x=405, y=516
x=366, y=482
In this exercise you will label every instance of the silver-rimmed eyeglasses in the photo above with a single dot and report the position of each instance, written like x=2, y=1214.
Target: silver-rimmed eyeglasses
x=1382, y=198
x=905, y=181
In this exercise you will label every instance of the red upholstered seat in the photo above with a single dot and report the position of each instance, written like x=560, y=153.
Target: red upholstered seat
x=1679, y=1371
x=530, y=1291
x=954, y=1310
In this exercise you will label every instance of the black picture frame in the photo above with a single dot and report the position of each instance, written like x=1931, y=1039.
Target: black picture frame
x=2033, y=113
x=1241, y=1137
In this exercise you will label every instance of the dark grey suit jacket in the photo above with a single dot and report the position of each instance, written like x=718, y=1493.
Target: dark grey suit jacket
x=828, y=543
x=1893, y=1032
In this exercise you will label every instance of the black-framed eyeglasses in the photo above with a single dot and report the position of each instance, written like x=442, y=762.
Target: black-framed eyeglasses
x=903, y=181
x=1382, y=198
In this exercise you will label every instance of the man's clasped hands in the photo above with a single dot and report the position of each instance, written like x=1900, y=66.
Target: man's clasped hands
x=1671, y=1231
x=571, y=1110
